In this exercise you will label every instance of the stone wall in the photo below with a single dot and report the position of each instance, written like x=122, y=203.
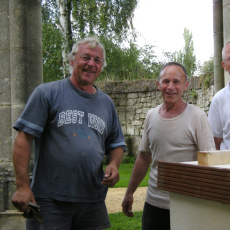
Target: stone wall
x=133, y=99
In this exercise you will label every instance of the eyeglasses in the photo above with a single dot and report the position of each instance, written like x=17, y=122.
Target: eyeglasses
x=85, y=57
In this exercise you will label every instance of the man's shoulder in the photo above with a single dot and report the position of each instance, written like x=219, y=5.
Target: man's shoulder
x=194, y=109
x=105, y=96
x=151, y=112
x=50, y=88
x=53, y=84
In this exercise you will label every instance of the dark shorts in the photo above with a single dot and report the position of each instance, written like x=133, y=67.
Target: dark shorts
x=58, y=215
x=155, y=218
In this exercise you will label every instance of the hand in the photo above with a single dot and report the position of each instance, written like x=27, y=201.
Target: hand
x=22, y=197
x=127, y=205
x=111, y=176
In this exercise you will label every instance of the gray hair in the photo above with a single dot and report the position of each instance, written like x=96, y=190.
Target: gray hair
x=174, y=63
x=93, y=42
x=223, y=50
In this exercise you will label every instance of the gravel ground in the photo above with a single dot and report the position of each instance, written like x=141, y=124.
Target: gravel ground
x=115, y=197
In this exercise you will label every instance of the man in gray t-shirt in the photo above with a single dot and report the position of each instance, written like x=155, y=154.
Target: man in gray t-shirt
x=74, y=125
x=174, y=131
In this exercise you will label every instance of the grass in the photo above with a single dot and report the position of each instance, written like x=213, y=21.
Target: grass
x=125, y=171
x=121, y=222
x=118, y=220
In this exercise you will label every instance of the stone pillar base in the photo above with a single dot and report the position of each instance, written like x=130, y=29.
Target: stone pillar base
x=12, y=220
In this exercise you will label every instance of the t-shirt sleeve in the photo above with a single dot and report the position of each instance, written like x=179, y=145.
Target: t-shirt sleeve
x=214, y=119
x=204, y=137
x=115, y=138
x=34, y=116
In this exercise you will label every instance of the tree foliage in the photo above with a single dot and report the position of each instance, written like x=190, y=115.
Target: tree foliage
x=185, y=56
x=207, y=68
x=65, y=21
x=110, y=20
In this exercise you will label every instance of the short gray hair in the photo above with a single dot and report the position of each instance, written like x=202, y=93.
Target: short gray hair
x=174, y=63
x=93, y=42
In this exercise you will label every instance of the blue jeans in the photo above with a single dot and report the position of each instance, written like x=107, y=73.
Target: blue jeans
x=155, y=218
x=58, y=215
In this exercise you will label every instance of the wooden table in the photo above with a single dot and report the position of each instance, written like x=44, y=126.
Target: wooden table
x=199, y=195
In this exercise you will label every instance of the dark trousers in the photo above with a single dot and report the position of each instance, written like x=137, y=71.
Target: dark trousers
x=155, y=218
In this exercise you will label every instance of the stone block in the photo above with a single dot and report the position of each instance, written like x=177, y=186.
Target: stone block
x=130, y=130
x=12, y=220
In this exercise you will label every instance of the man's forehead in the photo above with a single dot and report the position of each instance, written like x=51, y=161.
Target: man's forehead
x=172, y=69
x=86, y=47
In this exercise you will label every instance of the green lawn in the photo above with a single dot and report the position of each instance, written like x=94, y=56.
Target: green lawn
x=125, y=171
x=121, y=222
x=118, y=220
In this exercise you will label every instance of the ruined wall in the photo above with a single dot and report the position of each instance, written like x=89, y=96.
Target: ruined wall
x=133, y=99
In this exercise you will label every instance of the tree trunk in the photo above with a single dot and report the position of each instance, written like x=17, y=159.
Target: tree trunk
x=64, y=18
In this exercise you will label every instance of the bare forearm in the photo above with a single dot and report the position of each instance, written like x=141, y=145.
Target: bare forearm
x=116, y=157
x=111, y=176
x=21, y=158
x=139, y=171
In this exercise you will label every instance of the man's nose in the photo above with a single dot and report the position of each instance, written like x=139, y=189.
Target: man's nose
x=171, y=84
x=91, y=61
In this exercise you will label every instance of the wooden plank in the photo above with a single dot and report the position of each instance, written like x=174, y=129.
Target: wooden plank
x=216, y=181
x=194, y=168
x=217, y=176
x=200, y=187
x=193, y=193
x=206, y=182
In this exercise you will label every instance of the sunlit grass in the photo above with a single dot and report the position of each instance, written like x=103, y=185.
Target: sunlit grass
x=121, y=222
x=125, y=171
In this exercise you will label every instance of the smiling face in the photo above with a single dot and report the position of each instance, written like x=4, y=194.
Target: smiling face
x=87, y=65
x=172, y=84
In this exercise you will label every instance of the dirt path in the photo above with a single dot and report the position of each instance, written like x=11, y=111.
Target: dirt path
x=115, y=197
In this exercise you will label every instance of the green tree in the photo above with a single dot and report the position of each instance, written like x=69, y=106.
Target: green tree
x=185, y=56
x=51, y=44
x=189, y=58
x=64, y=21
x=207, y=68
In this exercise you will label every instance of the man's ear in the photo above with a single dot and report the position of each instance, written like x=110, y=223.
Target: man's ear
x=158, y=85
x=71, y=62
x=223, y=64
x=186, y=85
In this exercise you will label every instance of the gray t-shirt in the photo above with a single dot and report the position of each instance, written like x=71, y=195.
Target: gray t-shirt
x=173, y=140
x=73, y=131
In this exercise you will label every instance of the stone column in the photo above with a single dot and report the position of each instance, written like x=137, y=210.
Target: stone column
x=226, y=23
x=218, y=44
x=20, y=73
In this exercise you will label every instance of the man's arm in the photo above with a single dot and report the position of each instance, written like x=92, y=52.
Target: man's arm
x=218, y=142
x=21, y=158
x=111, y=171
x=139, y=171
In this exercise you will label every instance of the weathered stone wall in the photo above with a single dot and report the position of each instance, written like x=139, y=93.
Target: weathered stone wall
x=133, y=99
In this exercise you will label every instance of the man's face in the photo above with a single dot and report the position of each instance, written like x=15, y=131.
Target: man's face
x=87, y=65
x=172, y=84
x=226, y=62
